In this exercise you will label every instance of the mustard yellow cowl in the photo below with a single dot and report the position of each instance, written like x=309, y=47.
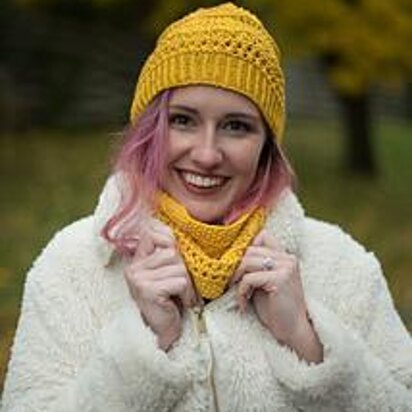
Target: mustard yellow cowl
x=211, y=252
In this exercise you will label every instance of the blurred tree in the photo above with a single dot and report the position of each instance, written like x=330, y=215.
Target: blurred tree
x=125, y=13
x=358, y=44
x=95, y=46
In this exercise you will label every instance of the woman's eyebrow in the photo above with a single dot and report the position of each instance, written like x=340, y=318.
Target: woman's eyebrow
x=183, y=107
x=244, y=115
x=192, y=110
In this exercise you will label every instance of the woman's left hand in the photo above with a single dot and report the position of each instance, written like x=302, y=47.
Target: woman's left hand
x=270, y=277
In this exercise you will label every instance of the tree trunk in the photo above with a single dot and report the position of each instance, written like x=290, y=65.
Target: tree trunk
x=359, y=150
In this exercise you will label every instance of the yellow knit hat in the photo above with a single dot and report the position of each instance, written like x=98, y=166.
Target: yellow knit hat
x=224, y=46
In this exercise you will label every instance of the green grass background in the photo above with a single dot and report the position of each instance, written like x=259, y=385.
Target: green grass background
x=48, y=179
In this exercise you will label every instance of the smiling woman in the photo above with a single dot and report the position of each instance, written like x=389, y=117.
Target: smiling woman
x=198, y=283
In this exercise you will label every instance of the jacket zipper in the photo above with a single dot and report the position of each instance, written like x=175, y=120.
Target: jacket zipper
x=202, y=330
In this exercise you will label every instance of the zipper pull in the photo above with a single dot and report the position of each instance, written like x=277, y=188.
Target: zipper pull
x=200, y=320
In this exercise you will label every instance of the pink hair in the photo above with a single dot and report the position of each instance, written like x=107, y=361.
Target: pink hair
x=141, y=162
x=139, y=165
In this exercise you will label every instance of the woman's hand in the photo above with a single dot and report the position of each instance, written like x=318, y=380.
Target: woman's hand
x=158, y=282
x=270, y=277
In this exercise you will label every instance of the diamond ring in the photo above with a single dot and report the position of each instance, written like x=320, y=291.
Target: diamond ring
x=268, y=263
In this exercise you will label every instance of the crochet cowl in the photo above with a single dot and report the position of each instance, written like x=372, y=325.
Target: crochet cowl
x=224, y=46
x=211, y=253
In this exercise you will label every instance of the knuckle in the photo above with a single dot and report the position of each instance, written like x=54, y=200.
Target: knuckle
x=139, y=286
x=247, y=280
x=182, y=281
x=170, y=252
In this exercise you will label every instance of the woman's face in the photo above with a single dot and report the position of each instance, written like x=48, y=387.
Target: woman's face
x=215, y=141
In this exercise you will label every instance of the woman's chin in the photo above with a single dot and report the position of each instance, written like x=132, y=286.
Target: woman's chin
x=206, y=213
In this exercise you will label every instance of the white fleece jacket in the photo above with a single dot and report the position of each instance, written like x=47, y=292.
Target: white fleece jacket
x=82, y=346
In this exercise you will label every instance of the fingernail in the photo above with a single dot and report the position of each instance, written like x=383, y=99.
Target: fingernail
x=271, y=289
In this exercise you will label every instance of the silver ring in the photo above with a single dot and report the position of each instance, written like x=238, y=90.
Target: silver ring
x=268, y=263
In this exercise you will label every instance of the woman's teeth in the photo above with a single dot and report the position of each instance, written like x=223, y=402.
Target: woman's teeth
x=202, y=181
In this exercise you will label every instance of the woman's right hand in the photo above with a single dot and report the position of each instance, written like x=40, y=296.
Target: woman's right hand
x=159, y=283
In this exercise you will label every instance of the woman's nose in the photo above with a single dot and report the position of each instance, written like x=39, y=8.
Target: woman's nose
x=206, y=151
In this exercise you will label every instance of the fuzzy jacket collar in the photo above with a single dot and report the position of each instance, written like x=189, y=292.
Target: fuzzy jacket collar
x=285, y=221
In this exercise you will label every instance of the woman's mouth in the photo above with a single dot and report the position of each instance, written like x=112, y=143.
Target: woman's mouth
x=202, y=181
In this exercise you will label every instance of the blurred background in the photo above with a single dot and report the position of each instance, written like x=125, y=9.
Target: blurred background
x=67, y=74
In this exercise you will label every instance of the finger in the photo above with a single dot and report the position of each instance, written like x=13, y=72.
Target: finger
x=150, y=241
x=251, y=264
x=161, y=240
x=271, y=242
x=248, y=264
x=168, y=271
x=159, y=258
x=162, y=236
x=186, y=299
x=265, y=238
x=148, y=280
x=243, y=296
x=254, y=261
x=145, y=247
x=160, y=227
x=264, y=251
x=253, y=281
x=152, y=235
x=280, y=259
x=172, y=287
x=187, y=296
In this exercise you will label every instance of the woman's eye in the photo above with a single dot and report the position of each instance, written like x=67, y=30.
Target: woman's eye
x=238, y=126
x=180, y=120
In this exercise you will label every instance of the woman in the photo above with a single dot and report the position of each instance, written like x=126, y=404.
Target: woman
x=198, y=284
